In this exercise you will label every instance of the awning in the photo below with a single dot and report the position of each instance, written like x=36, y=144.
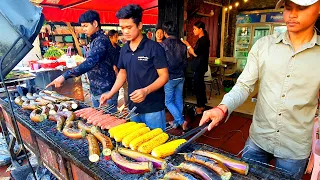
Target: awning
x=70, y=10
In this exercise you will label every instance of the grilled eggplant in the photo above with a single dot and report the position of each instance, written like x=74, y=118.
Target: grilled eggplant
x=69, y=115
x=141, y=157
x=130, y=167
x=237, y=166
x=177, y=175
x=212, y=164
x=198, y=170
x=83, y=125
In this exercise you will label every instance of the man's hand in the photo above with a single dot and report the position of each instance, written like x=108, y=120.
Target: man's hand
x=139, y=95
x=104, y=98
x=57, y=82
x=215, y=115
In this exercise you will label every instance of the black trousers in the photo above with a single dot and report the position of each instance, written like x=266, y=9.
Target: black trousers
x=200, y=88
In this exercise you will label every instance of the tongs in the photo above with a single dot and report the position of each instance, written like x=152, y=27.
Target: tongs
x=203, y=129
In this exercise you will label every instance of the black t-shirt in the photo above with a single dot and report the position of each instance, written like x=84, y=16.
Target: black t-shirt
x=200, y=63
x=141, y=66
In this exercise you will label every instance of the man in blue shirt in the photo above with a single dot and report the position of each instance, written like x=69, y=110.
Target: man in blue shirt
x=176, y=53
x=99, y=63
x=143, y=63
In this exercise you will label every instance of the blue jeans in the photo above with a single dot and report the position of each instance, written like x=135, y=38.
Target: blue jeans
x=113, y=101
x=152, y=120
x=255, y=155
x=174, y=99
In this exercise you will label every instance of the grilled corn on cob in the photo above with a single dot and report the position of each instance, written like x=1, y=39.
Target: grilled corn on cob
x=148, y=146
x=120, y=127
x=167, y=149
x=119, y=135
x=135, y=143
x=126, y=141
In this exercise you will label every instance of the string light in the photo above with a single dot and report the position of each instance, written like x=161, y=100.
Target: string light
x=226, y=9
x=245, y=1
x=230, y=7
x=237, y=4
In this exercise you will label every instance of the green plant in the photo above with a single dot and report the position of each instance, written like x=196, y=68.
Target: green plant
x=53, y=52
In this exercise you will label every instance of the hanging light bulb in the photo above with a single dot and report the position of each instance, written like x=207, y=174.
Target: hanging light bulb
x=230, y=7
x=236, y=4
x=226, y=9
x=245, y=1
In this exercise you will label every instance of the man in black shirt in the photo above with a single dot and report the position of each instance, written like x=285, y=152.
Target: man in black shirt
x=143, y=63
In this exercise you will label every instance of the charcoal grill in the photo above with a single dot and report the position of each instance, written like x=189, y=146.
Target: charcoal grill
x=76, y=151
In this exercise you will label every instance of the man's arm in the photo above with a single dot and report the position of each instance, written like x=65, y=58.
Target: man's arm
x=239, y=93
x=139, y=95
x=121, y=79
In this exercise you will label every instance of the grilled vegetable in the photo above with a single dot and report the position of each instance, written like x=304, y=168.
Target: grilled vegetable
x=43, y=101
x=45, y=110
x=212, y=164
x=60, y=122
x=48, y=92
x=167, y=149
x=24, y=98
x=36, y=116
x=135, y=143
x=30, y=96
x=237, y=166
x=142, y=157
x=66, y=105
x=74, y=104
x=69, y=115
x=49, y=98
x=130, y=167
x=52, y=106
x=60, y=97
x=94, y=150
x=120, y=127
x=126, y=141
x=28, y=106
x=198, y=170
x=18, y=101
x=176, y=175
x=104, y=140
x=83, y=125
x=119, y=135
x=148, y=146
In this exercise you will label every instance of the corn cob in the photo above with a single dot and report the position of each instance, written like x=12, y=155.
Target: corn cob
x=119, y=127
x=119, y=135
x=126, y=141
x=148, y=146
x=134, y=144
x=167, y=149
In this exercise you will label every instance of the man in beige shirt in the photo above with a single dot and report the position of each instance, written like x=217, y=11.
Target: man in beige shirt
x=286, y=67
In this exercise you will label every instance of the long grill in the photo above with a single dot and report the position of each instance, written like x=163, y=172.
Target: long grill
x=76, y=151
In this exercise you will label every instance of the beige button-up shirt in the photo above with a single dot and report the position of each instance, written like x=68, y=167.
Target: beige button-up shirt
x=288, y=94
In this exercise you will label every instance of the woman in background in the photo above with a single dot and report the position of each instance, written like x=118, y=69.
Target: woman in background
x=200, y=55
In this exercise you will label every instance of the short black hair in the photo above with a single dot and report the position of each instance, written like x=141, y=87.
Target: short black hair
x=112, y=32
x=89, y=17
x=131, y=11
x=170, y=28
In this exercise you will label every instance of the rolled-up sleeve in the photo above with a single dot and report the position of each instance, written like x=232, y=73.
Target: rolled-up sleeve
x=245, y=83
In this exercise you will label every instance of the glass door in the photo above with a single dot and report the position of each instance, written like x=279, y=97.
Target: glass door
x=242, y=45
x=259, y=32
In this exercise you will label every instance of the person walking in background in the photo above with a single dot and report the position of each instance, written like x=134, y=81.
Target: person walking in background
x=159, y=35
x=143, y=64
x=200, y=55
x=176, y=53
x=99, y=63
x=113, y=37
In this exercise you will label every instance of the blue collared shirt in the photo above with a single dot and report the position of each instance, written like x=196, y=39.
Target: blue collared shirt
x=141, y=66
x=98, y=65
